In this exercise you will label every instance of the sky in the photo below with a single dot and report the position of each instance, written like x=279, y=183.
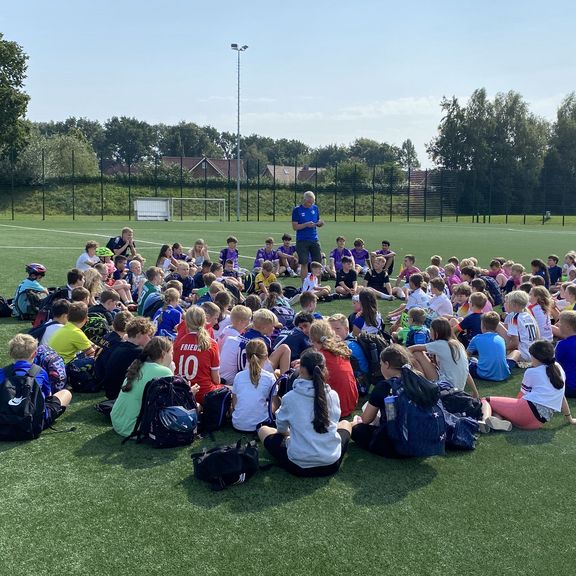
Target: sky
x=323, y=72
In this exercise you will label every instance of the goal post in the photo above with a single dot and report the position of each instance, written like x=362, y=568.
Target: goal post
x=152, y=208
x=198, y=208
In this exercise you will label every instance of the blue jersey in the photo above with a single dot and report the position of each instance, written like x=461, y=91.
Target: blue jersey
x=167, y=321
x=295, y=339
x=301, y=215
x=491, y=350
x=244, y=339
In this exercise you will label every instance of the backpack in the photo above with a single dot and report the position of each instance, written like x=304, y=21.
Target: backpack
x=153, y=303
x=249, y=283
x=49, y=360
x=82, y=375
x=45, y=310
x=96, y=328
x=5, y=308
x=459, y=402
x=39, y=331
x=282, y=385
x=224, y=466
x=419, y=428
x=285, y=316
x=22, y=405
x=461, y=431
x=33, y=304
x=372, y=345
x=494, y=289
x=162, y=393
x=290, y=291
x=215, y=408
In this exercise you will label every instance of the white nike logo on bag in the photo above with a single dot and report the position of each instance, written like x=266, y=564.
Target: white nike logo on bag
x=15, y=401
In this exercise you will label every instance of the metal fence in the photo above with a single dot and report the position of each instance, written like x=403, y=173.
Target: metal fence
x=268, y=193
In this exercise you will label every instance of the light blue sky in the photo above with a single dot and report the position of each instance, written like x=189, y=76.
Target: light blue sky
x=319, y=71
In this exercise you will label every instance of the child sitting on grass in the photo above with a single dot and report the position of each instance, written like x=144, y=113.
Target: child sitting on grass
x=264, y=278
x=346, y=279
x=403, y=281
x=439, y=304
x=169, y=316
x=541, y=308
x=22, y=351
x=251, y=389
x=491, y=363
x=416, y=299
x=416, y=332
x=308, y=301
x=361, y=257
x=469, y=326
x=369, y=320
x=312, y=284
x=378, y=280
x=69, y=340
x=154, y=277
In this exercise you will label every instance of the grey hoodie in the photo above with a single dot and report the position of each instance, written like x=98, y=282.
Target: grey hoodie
x=306, y=447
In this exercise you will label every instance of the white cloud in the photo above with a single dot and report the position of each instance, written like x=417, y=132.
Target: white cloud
x=408, y=106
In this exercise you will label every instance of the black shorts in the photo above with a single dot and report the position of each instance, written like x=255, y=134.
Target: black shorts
x=305, y=248
x=374, y=439
x=54, y=410
x=276, y=446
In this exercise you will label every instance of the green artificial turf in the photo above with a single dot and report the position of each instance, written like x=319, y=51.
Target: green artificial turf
x=82, y=503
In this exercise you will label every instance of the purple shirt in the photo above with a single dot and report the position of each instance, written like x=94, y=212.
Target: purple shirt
x=262, y=256
x=360, y=256
x=227, y=254
x=288, y=251
x=337, y=256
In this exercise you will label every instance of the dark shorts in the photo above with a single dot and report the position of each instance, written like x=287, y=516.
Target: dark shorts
x=374, y=439
x=473, y=369
x=276, y=446
x=53, y=410
x=305, y=248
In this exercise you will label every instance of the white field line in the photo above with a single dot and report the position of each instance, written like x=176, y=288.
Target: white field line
x=53, y=231
x=42, y=247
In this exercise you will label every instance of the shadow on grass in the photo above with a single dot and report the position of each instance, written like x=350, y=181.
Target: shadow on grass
x=531, y=437
x=108, y=449
x=379, y=481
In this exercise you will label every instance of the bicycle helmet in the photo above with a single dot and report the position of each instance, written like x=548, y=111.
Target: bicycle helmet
x=103, y=251
x=179, y=419
x=37, y=269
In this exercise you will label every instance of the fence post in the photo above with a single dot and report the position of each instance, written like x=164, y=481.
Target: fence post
x=274, y=193
x=391, y=186
x=373, y=189
x=490, y=192
x=441, y=194
x=228, y=186
x=544, y=210
x=12, y=163
x=456, y=182
x=354, y=184
x=73, y=186
x=155, y=175
x=295, y=179
x=43, y=187
x=102, y=186
x=425, y=193
x=129, y=191
x=408, y=203
x=182, y=186
x=316, y=180
x=205, y=165
x=258, y=191
x=336, y=193
x=247, y=192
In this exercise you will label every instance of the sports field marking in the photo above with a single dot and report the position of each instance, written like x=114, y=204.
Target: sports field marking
x=43, y=247
x=73, y=232
x=563, y=232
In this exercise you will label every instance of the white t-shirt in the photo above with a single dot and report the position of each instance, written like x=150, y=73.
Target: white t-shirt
x=417, y=299
x=310, y=282
x=449, y=371
x=522, y=325
x=251, y=401
x=221, y=325
x=225, y=333
x=49, y=332
x=441, y=305
x=85, y=262
x=229, y=358
x=537, y=388
x=543, y=321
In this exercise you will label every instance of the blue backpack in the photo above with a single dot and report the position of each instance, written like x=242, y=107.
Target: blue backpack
x=48, y=359
x=419, y=428
x=494, y=289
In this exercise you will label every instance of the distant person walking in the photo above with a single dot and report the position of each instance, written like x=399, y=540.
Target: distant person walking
x=305, y=221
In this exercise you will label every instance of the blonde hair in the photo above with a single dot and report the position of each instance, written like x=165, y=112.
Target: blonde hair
x=321, y=333
x=195, y=319
x=22, y=347
x=240, y=313
x=542, y=297
x=516, y=269
x=93, y=282
x=215, y=287
x=171, y=295
x=340, y=318
x=568, y=317
x=264, y=317
x=518, y=298
x=256, y=354
x=449, y=269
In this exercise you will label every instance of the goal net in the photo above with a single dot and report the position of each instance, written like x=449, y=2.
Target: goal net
x=207, y=209
x=152, y=208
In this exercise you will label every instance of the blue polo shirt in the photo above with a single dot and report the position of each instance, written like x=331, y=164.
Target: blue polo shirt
x=301, y=215
x=491, y=350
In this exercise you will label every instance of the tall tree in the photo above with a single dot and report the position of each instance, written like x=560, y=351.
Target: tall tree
x=13, y=99
x=372, y=152
x=408, y=157
x=128, y=139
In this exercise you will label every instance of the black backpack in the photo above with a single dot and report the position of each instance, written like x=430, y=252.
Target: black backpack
x=459, y=402
x=44, y=312
x=21, y=405
x=5, y=308
x=372, y=345
x=494, y=289
x=215, y=409
x=290, y=291
x=96, y=329
x=224, y=466
x=162, y=393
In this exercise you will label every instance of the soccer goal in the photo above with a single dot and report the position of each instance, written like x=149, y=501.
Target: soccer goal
x=207, y=209
x=152, y=208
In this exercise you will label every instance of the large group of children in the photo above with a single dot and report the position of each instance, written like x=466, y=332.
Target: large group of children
x=218, y=324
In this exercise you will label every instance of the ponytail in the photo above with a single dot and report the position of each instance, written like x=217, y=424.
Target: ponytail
x=543, y=351
x=313, y=362
x=157, y=347
x=256, y=353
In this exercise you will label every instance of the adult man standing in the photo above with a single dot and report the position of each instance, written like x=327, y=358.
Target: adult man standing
x=123, y=244
x=305, y=221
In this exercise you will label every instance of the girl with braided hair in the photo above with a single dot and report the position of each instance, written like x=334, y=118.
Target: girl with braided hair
x=310, y=441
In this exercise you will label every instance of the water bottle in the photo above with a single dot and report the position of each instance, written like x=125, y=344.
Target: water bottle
x=390, y=411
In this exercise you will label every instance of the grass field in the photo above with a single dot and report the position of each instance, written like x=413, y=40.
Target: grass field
x=81, y=503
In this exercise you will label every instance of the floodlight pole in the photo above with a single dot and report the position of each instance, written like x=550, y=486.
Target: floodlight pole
x=238, y=49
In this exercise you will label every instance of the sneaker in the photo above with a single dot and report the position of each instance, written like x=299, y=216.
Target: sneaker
x=498, y=424
x=387, y=297
x=295, y=299
x=292, y=273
